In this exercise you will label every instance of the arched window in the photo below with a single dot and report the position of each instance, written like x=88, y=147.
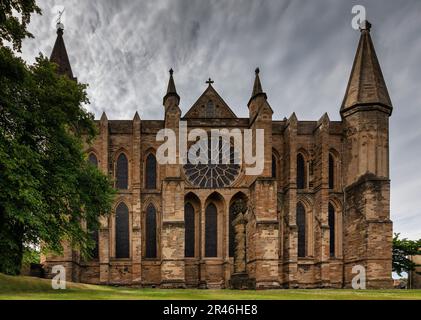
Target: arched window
x=332, y=230
x=301, y=230
x=95, y=238
x=150, y=232
x=301, y=172
x=231, y=232
x=331, y=171
x=150, y=174
x=122, y=243
x=122, y=172
x=274, y=167
x=93, y=160
x=189, y=233
x=211, y=231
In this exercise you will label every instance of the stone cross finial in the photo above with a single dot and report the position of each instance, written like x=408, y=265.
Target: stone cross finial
x=210, y=81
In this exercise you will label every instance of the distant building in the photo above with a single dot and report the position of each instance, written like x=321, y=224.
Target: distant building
x=320, y=207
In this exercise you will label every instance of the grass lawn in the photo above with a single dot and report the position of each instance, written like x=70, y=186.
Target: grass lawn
x=25, y=288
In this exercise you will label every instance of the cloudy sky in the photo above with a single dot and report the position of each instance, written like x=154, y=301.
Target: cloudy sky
x=304, y=49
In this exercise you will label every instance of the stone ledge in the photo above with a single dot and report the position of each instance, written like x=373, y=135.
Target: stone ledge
x=174, y=223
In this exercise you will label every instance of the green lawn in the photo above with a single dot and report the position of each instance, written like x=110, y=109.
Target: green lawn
x=18, y=288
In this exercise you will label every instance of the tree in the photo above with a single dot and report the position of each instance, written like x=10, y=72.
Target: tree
x=13, y=28
x=47, y=187
x=402, y=250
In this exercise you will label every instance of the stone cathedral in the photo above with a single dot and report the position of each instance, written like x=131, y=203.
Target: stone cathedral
x=319, y=208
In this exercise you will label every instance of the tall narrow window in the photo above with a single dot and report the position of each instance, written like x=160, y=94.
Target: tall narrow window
x=211, y=231
x=301, y=172
x=150, y=232
x=95, y=237
x=150, y=173
x=93, y=160
x=122, y=174
x=95, y=250
x=210, y=110
x=274, y=167
x=189, y=232
x=122, y=244
x=332, y=230
x=331, y=171
x=231, y=232
x=301, y=230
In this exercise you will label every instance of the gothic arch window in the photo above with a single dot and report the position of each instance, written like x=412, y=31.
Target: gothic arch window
x=301, y=230
x=150, y=172
x=95, y=238
x=274, y=167
x=301, y=172
x=189, y=233
x=92, y=159
x=331, y=171
x=211, y=231
x=122, y=172
x=150, y=232
x=122, y=242
x=332, y=220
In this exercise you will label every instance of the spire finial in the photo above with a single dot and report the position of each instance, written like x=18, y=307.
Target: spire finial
x=60, y=25
x=210, y=82
x=171, y=90
x=257, y=87
x=365, y=26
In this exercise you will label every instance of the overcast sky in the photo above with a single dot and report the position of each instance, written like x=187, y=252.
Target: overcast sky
x=304, y=49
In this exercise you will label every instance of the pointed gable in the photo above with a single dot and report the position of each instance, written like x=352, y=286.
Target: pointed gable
x=366, y=84
x=210, y=105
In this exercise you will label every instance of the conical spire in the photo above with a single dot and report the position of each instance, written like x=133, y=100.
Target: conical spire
x=59, y=55
x=257, y=87
x=172, y=91
x=366, y=84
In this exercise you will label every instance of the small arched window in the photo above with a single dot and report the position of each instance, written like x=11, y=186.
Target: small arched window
x=150, y=232
x=150, y=174
x=301, y=172
x=189, y=232
x=301, y=230
x=122, y=243
x=274, y=167
x=93, y=160
x=95, y=238
x=122, y=172
x=331, y=171
x=332, y=230
x=211, y=231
